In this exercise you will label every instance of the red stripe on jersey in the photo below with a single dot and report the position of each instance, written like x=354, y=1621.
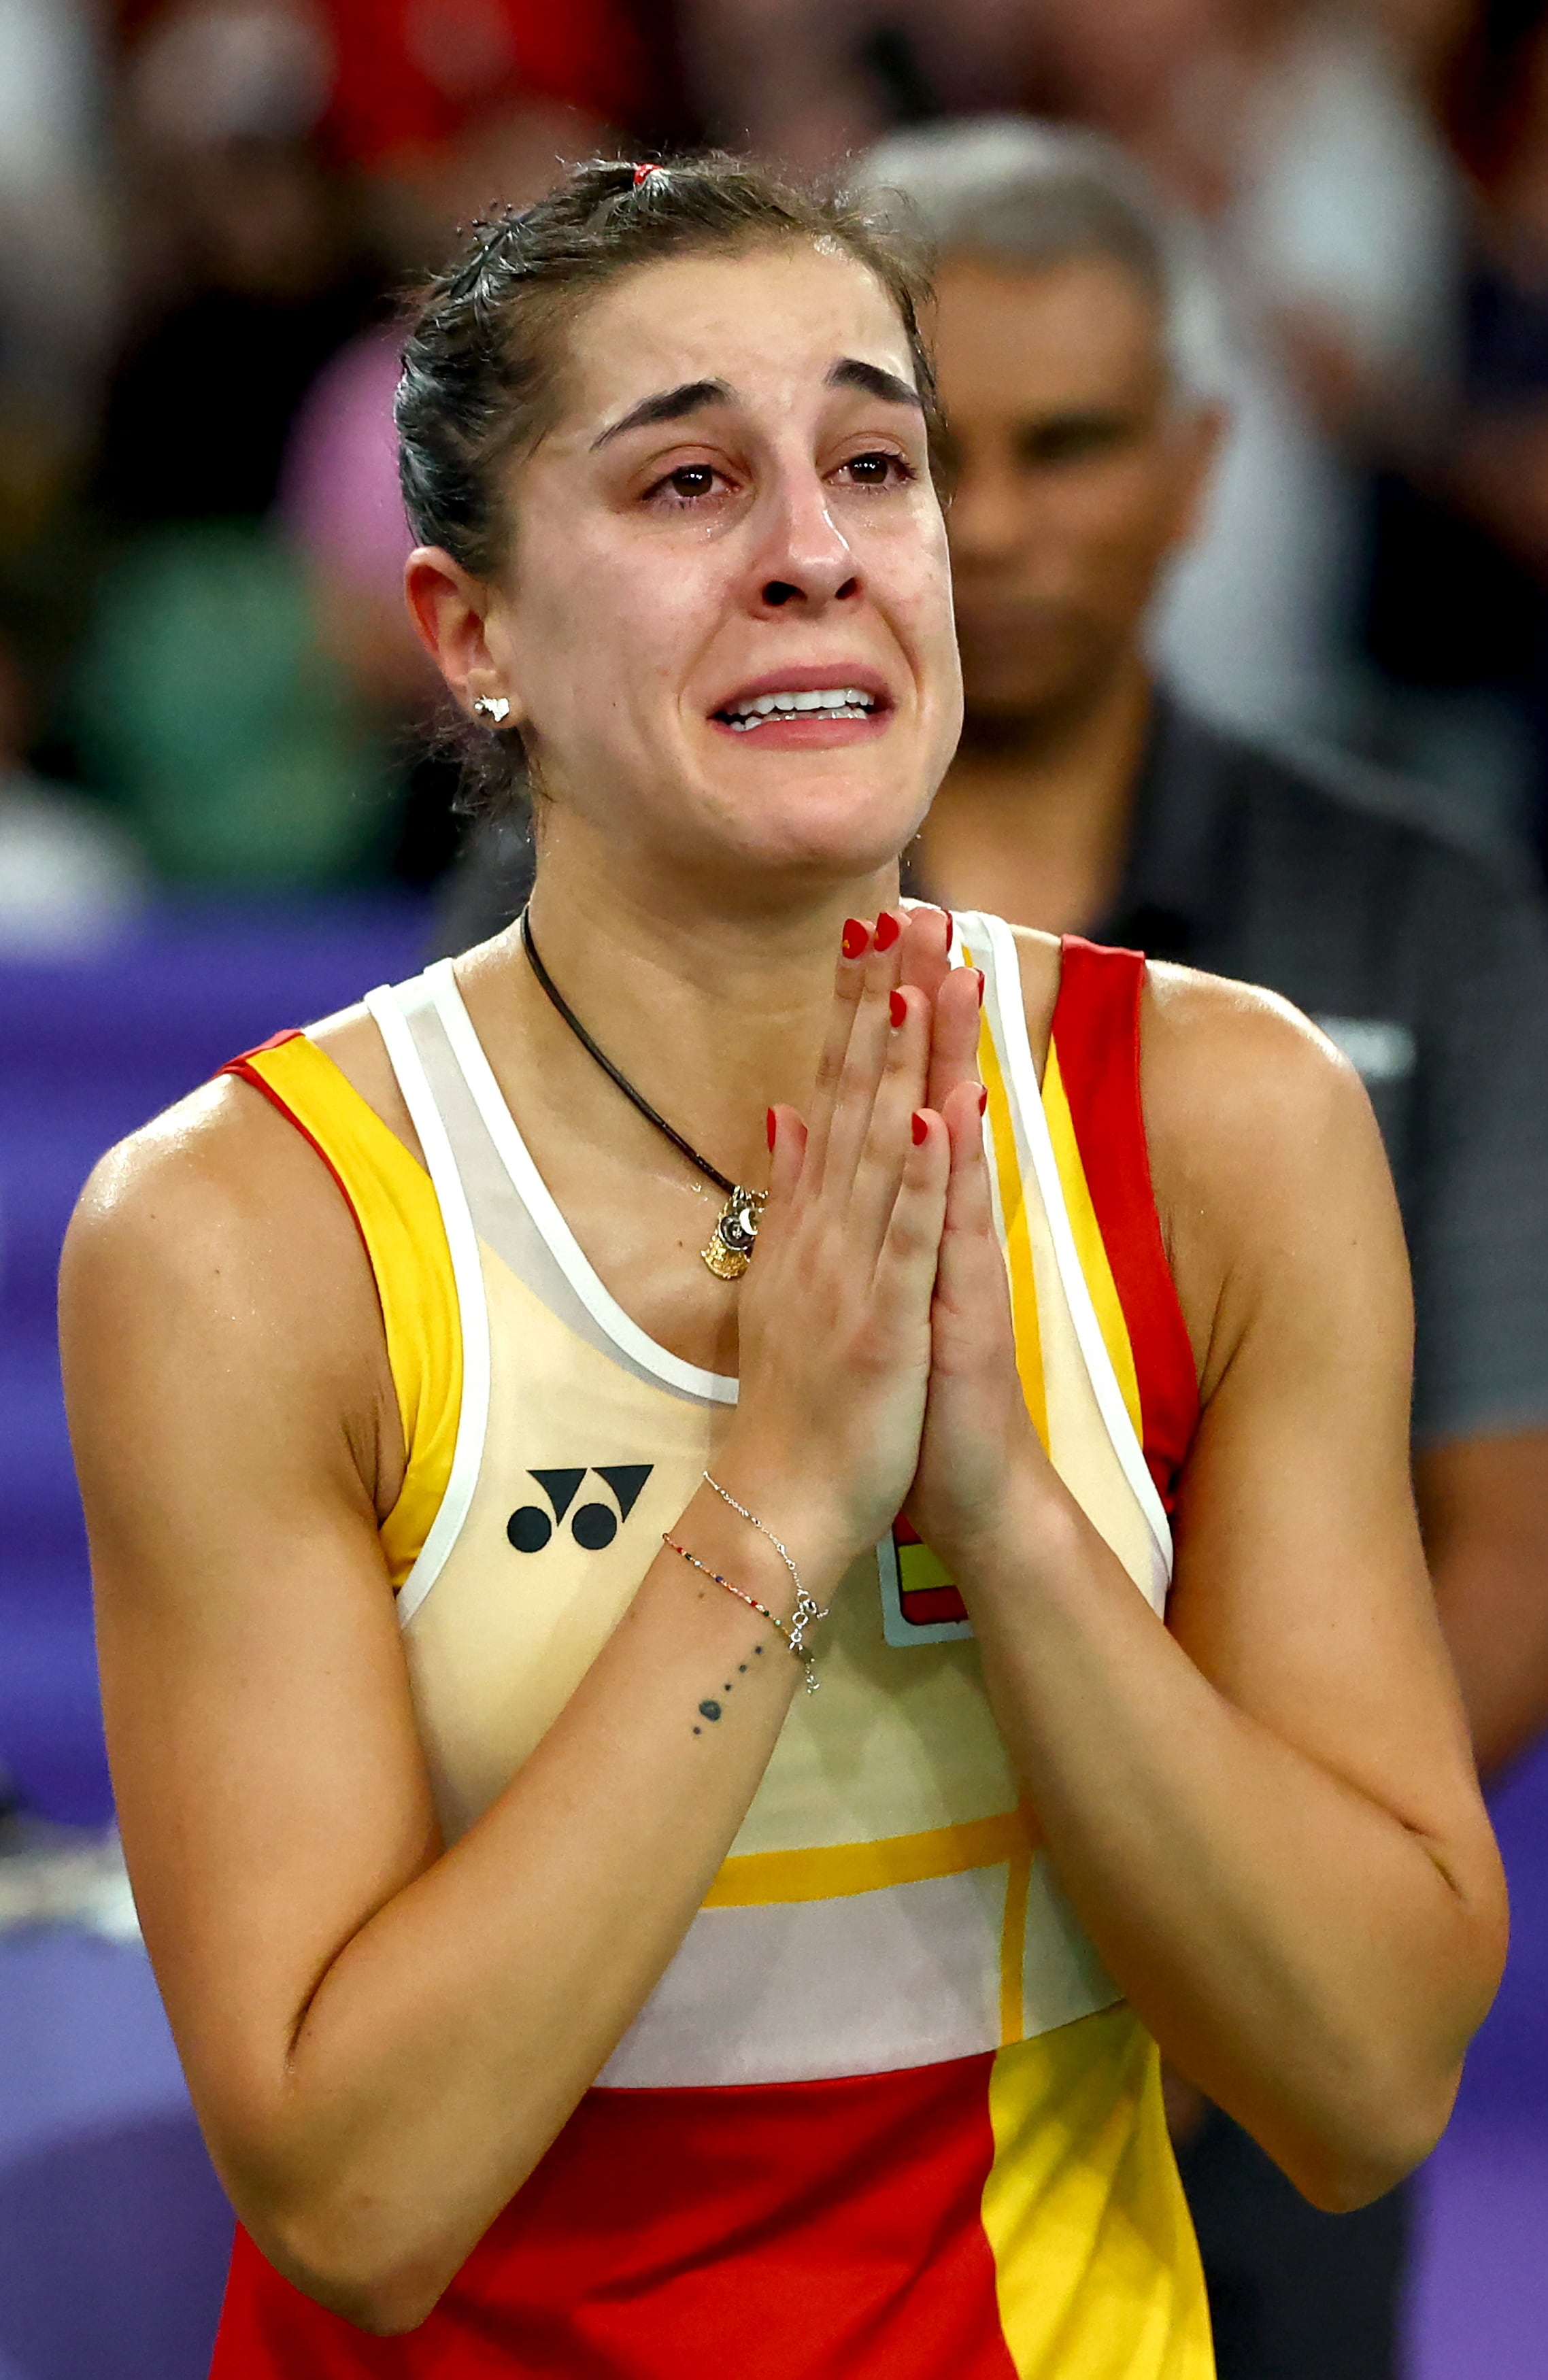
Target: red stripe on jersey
x=1096, y=1029
x=782, y=2231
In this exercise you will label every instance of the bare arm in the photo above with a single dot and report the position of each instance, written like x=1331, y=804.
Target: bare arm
x=382, y=2037
x=1265, y=1812
x=1483, y=1503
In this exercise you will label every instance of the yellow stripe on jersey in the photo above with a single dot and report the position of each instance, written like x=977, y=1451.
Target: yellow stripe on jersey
x=1097, y=2272
x=1013, y=1943
x=1088, y=1246
x=400, y=1222
x=1018, y=1244
x=834, y=1871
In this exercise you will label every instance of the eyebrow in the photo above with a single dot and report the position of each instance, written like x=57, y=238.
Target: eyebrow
x=668, y=404
x=693, y=396
x=872, y=381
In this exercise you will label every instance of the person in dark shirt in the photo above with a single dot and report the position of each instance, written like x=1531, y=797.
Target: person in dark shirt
x=1084, y=798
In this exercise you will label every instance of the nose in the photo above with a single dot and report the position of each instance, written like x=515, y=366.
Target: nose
x=802, y=557
x=984, y=522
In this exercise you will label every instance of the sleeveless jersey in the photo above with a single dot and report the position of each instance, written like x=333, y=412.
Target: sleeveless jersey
x=884, y=2117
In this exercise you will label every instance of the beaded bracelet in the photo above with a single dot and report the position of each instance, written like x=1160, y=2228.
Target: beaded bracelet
x=806, y=1612
x=803, y=1653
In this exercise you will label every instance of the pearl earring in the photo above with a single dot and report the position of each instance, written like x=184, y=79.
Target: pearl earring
x=492, y=706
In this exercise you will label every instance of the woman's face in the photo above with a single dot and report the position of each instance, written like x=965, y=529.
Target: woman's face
x=730, y=526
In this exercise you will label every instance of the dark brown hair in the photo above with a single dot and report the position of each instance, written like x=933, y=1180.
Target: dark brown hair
x=485, y=345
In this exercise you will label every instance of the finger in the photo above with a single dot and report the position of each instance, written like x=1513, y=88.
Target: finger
x=925, y=957
x=855, y=951
x=969, y=1228
x=887, y=1141
x=787, y=1144
x=865, y=1060
x=905, y=1275
x=953, y=1044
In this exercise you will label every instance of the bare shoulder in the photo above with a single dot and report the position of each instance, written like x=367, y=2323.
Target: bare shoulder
x=1219, y=1059
x=214, y=1245
x=1265, y=1155
x=208, y=1184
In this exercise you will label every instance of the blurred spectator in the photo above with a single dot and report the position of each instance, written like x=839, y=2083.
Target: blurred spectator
x=208, y=709
x=1082, y=798
x=413, y=78
x=1334, y=230
x=56, y=294
x=810, y=81
x=69, y=877
x=1458, y=617
x=342, y=513
x=341, y=510
x=254, y=248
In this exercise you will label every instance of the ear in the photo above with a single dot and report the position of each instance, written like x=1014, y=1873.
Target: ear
x=1201, y=435
x=449, y=608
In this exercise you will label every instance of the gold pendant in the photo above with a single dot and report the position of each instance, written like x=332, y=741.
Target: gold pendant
x=736, y=1233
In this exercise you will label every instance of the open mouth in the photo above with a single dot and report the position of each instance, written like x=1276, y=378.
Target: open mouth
x=747, y=715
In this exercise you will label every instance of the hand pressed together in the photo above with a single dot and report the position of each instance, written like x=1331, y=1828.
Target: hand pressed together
x=878, y=1364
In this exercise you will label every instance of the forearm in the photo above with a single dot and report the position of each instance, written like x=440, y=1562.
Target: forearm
x=448, y=2041
x=1292, y=1945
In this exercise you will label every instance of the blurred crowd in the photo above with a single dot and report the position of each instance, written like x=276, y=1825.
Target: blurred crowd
x=210, y=212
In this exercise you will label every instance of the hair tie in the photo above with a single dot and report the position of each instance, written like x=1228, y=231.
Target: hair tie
x=643, y=173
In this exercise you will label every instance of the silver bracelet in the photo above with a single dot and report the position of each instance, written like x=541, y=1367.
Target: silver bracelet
x=807, y=1611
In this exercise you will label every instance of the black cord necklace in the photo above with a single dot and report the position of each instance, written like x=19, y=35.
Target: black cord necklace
x=736, y=1232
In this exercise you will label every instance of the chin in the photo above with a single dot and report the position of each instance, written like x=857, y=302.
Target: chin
x=830, y=831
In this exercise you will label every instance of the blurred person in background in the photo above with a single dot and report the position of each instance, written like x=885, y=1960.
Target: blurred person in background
x=1298, y=140
x=68, y=876
x=243, y=685
x=253, y=256
x=1457, y=597
x=1085, y=797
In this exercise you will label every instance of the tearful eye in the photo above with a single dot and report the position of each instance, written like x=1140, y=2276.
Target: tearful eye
x=691, y=479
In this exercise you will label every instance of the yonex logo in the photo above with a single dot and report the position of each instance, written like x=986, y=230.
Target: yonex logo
x=594, y=1525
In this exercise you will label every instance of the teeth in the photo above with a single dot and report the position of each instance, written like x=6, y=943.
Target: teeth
x=838, y=702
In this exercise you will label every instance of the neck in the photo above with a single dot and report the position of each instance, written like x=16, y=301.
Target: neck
x=1033, y=820
x=715, y=1009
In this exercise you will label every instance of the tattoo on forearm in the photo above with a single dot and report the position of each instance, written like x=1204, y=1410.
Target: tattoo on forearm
x=712, y=1708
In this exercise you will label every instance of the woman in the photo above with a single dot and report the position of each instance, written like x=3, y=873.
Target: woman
x=562, y=1990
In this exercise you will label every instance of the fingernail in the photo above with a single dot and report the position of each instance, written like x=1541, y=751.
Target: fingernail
x=921, y=1128
x=857, y=938
x=983, y=1102
x=771, y=1125
x=978, y=972
x=951, y=929
x=898, y=1008
x=887, y=930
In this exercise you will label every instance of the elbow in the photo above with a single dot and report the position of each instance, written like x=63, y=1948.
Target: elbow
x=383, y=2288
x=1371, y=2149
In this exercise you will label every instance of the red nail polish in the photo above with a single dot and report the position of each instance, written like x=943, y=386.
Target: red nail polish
x=887, y=930
x=984, y=1098
x=898, y=1008
x=921, y=1128
x=857, y=938
x=951, y=929
x=978, y=972
x=771, y=1125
